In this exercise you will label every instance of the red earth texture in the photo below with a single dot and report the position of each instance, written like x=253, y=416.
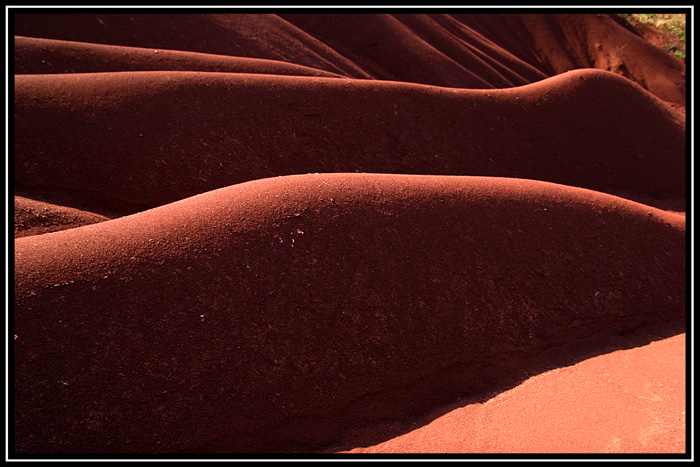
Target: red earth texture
x=345, y=233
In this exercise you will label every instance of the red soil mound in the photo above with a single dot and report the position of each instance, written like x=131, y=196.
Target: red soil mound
x=35, y=217
x=151, y=138
x=299, y=307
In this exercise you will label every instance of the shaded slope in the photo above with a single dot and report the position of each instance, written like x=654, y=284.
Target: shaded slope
x=237, y=35
x=150, y=138
x=416, y=48
x=213, y=323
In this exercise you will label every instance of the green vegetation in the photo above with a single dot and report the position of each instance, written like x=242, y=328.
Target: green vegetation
x=671, y=24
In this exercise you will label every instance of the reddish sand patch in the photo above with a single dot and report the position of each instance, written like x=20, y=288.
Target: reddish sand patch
x=644, y=387
x=346, y=233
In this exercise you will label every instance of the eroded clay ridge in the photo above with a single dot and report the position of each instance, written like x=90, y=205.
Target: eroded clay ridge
x=151, y=138
x=207, y=323
x=455, y=50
